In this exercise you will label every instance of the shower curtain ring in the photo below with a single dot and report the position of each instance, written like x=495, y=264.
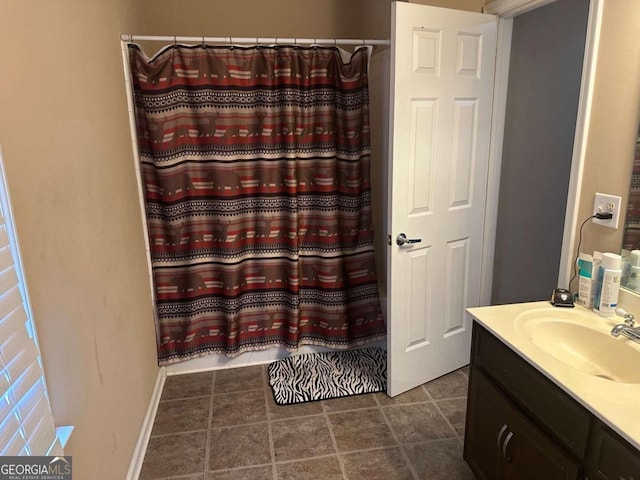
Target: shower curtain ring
x=175, y=40
x=204, y=42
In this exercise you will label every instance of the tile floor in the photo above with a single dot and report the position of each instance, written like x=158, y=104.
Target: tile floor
x=225, y=425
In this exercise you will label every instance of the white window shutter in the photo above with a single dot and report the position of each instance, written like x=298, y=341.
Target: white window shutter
x=26, y=422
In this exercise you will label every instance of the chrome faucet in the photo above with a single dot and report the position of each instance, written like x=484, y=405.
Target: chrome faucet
x=627, y=328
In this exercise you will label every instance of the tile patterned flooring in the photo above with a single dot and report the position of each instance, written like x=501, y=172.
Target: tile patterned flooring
x=225, y=425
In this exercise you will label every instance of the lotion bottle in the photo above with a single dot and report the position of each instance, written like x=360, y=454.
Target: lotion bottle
x=606, y=299
x=588, y=268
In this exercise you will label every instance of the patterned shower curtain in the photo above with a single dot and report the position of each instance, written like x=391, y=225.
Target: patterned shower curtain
x=631, y=239
x=255, y=165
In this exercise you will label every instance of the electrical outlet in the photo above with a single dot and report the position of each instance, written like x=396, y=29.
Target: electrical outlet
x=605, y=203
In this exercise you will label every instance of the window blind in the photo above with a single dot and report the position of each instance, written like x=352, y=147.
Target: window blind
x=26, y=422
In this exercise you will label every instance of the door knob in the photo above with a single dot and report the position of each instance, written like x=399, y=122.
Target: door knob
x=402, y=239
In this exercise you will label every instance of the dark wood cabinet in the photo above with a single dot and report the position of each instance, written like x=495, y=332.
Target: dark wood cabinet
x=549, y=407
x=611, y=457
x=484, y=435
x=503, y=444
x=521, y=426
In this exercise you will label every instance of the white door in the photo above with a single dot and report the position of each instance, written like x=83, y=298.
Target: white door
x=442, y=70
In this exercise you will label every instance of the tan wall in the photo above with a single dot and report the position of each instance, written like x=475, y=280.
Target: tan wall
x=470, y=5
x=281, y=18
x=614, y=119
x=65, y=135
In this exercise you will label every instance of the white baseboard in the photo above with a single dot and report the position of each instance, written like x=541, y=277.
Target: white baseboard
x=145, y=431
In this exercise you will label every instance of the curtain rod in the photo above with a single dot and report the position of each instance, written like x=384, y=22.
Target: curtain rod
x=253, y=40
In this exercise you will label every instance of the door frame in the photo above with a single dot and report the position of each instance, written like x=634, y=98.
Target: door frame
x=583, y=120
x=507, y=10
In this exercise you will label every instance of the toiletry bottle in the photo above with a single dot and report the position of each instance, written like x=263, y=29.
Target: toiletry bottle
x=588, y=268
x=606, y=299
x=634, y=270
x=586, y=280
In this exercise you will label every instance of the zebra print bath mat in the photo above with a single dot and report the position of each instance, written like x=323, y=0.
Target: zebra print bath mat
x=320, y=376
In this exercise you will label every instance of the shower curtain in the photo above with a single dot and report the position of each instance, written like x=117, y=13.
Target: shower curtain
x=255, y=166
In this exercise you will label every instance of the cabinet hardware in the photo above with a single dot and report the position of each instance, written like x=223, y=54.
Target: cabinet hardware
x=505, y=446
x=504, y=427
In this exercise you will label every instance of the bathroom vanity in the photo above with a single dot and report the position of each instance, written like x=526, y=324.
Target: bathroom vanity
x=551, y=396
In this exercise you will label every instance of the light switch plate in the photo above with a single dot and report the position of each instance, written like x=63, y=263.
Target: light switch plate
x=607, y=203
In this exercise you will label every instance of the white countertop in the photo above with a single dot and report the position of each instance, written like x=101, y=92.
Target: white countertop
x=616, y=404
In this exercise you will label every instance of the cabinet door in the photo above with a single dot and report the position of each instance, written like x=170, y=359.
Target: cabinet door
x=534, y=456
x=501, y=443
x=547, y=405
x=611, y=458
x=485, y=429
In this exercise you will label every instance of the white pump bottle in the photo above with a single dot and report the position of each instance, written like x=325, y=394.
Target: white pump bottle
x=606, y=299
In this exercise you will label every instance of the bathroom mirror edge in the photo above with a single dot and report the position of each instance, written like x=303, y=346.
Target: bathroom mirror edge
x=630, y=249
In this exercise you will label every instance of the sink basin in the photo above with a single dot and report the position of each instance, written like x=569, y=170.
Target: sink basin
x=583, y=342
